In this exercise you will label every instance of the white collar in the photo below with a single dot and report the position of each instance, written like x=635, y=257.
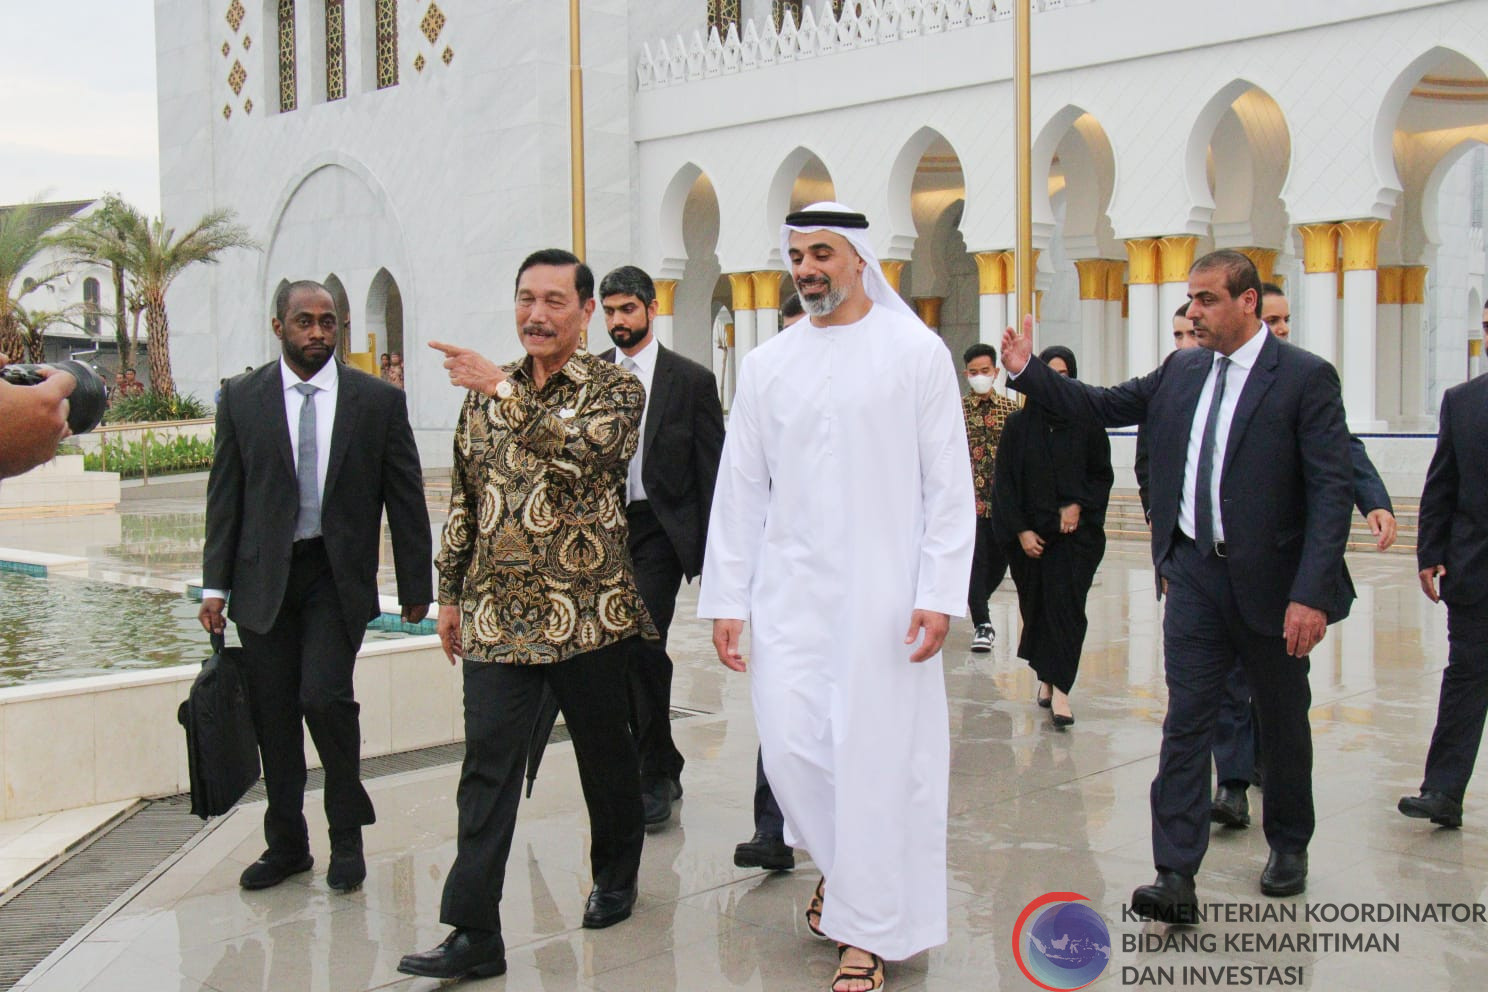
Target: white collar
x=1245, y=356
x=326, y=378
x=645, y=359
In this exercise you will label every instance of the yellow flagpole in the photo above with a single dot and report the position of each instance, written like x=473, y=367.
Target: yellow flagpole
x=576, y=127
x=1023, y=258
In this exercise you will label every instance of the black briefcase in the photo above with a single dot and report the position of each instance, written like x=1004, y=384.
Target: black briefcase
x=221, y=748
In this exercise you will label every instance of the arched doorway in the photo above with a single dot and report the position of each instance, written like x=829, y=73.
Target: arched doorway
x=384, y=315
x=343, y=313
x=940, y=280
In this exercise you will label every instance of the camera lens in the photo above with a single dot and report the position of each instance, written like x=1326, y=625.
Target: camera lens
x=89, y=400
x=89, y=397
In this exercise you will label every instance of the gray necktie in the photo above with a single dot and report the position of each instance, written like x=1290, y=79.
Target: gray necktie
x=633, y=485
x=1203, y=501
x=307, y=522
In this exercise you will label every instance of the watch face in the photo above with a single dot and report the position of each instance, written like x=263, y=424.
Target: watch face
x=504, y=389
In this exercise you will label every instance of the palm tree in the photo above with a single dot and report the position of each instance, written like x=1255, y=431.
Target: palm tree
x=103, y=237
x=22, y=238
x=153, y=256
x=35, y=323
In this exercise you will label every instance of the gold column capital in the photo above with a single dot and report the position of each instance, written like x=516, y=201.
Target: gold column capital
x=928, y=308
x=1319, y=247
x=992, y=272
x=1474, y=347
x=1038, y=304
x=1360, y=244
x=1175, y=255
x=1264, y=260
x=743, y=287
x=767, y=289
x=892, y=268
x=1141, y=255
x=1390, y=284
x=1092, y=278
x=666, y=297
x=1413, y=284
x=1115, y=280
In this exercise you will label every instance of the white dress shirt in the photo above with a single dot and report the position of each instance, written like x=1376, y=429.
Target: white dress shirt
x=1241, y=362
x=325, y=418
x=643, y=365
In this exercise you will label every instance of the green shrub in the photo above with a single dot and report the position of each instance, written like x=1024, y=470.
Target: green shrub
x=166, y=455
x=151, y=407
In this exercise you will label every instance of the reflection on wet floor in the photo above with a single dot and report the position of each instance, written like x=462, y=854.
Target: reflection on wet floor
x=1033, y=810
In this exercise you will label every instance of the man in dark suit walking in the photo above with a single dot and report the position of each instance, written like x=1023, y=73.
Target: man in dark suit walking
x=669, y=493
x=308, y=454
x=1453, y=547
x=1251, y=495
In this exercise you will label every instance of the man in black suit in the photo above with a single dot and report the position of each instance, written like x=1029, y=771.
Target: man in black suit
x=669, y=493
x=309, y=452
x=1251, y=487
x=1237, y=753
x=1453, y=547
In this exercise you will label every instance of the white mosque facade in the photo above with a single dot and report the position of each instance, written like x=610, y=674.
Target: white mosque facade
x=411, y=152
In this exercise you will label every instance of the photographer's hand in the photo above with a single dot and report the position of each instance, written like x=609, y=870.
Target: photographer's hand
x=33, y=421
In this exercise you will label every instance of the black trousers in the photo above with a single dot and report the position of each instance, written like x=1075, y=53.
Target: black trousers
x=300, y=675
x=1236, y=741
x=988, y=567
x=1462, y=704
x=768, y=819
x=1203, y=634
x=501, y=703
x=658, y=575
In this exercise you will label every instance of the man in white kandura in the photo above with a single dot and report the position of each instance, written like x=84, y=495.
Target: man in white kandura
x=842, y=528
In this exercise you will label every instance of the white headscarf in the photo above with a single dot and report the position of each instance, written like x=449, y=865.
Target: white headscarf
x=875, y=284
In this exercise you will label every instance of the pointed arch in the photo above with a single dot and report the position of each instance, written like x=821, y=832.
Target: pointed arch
x=1235, y=167
x=801, y=178
x=1388, y=118
x=901, y=220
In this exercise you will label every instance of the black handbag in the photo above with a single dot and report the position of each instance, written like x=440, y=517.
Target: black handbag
x=221, y=748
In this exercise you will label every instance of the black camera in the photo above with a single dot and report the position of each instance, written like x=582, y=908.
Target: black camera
x=88, y=401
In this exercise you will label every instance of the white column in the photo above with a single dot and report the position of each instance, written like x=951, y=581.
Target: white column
x=661, y=328
x=992, y=316
x=1320, y=311
x=1170, y=295
x=1358, y=341
x=1318, y=330
x=1141, y=334
x=766, y=305
x=1358, y=371
x=1093, y=331
x=1388, y=323
x=1115, y=323
x=1413, y=342
x=744, y=337
x=1141, y=306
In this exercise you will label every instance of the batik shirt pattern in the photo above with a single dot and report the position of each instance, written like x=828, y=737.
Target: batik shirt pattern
x=535, y=550
x=985, y=416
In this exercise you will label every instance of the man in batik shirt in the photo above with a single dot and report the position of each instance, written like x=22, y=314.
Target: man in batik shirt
x=985, y=414
x=536, y=591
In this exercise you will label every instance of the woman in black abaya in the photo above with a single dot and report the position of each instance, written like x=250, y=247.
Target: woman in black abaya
x=1053, y=482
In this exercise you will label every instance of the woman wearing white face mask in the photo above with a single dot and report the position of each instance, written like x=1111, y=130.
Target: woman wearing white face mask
x=985, y=413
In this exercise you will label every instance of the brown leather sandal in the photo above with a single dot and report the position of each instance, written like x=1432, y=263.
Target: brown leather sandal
x=814, y=909
x=873, y=974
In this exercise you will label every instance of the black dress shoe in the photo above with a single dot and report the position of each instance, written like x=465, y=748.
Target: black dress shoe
x=348, y=869
x=1285, y=874
x=464, y=952
x=271, y=869
x=656, y=801
x=606, y=907
x=765, y=851
x=1438, y=807
x=1171, y=899
x=1231, y=806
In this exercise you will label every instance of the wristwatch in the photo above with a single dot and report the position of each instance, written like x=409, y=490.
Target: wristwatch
x=504, y=389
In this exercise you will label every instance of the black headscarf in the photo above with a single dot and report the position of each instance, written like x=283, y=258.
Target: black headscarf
x=1061, y=352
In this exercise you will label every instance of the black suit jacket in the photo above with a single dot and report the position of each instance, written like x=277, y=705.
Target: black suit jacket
x=680, y=448
x=1453, y=528
x=1286, y=483
x=253, y=498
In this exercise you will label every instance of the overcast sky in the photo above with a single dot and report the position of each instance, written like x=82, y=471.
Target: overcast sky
x=77, y=101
